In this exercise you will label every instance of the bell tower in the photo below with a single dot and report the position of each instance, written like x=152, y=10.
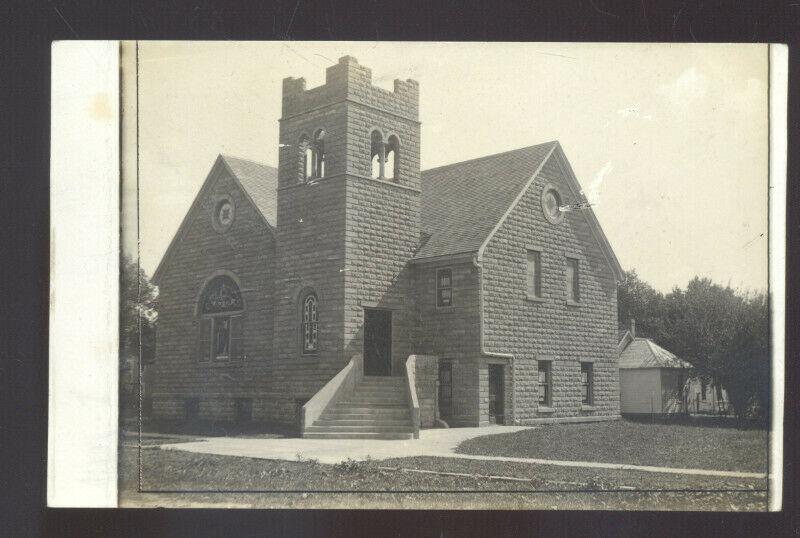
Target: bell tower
x=347, y=222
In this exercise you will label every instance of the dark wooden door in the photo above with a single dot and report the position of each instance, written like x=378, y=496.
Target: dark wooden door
x=377, y=342
x=496, y=394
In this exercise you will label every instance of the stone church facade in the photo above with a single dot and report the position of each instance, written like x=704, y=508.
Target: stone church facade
x=349, y=282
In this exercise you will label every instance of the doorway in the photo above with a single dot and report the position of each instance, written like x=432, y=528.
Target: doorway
x=377, y=342
x=496, y=394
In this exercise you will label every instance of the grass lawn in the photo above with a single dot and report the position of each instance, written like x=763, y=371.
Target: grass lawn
x=177, y=478
x=697, y=444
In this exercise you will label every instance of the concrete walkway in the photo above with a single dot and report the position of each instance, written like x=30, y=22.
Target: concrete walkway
x=436, y=443
x=430, y=443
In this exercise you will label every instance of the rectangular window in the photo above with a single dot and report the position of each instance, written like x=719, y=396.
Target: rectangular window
x=703, y=388
x=573, y=281
x=587, y=384
x=545, y=383
x=444, y=287
x=534, y=274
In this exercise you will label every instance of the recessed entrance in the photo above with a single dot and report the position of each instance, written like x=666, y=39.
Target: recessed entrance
x=496, y=394
x=377, y=342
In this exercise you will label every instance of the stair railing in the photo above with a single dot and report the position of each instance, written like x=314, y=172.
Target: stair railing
x=411, y=391
x=340, y=385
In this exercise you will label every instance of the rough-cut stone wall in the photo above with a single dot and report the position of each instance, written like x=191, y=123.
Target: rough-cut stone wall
x=551, y=329
x=452, y=333
x=346, y=236
x=246, y=251
x=382, y=215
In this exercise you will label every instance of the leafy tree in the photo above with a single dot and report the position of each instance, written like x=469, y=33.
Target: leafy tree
x=636, y=299
x=725, y=336
x=138, y=315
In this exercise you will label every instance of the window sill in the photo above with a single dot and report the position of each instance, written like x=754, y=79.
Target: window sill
x=573, y=303
x=585, y=407
x=545, y=409
x=445, y=309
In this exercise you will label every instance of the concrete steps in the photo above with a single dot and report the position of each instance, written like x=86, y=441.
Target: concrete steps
x=376, y=409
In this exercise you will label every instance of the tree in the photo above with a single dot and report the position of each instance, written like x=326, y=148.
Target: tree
x=138, y=315
x=636, y=299
x=725, y=336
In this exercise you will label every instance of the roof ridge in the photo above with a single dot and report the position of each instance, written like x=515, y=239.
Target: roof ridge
x=229, y=156
x=474, y=159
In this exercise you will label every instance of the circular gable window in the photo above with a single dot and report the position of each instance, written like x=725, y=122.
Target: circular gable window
x=551, y=204
x=224, y=212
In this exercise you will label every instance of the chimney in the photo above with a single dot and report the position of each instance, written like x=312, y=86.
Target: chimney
x=633, y=328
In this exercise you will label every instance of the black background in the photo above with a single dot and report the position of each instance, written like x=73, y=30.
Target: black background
x=29, y=28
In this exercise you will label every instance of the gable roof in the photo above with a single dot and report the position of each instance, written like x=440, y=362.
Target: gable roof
x=258, y=181
x=462, y=202
x=644, y=353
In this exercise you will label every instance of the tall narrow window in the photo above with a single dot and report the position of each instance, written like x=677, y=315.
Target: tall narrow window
x=534, y=274
x=310, y=324
x=392, y=158
x=319, y=153
x=573, y=281
x=587, y=383
x=377, y=154
x=220, y=326
x=306, y=158
x=703, y=389
x=545, y=383
x=444, y=287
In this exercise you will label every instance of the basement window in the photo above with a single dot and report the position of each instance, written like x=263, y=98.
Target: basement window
x=243, y=410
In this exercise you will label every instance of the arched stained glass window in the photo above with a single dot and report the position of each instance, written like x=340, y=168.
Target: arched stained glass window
x=221, y=314
x=310, y=326
x=221, y=295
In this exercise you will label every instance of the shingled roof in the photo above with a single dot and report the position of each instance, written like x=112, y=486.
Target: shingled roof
x=463, y=202
x=259, y=181
x=644, y=353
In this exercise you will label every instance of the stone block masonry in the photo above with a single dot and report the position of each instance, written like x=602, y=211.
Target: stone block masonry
x=551, y=328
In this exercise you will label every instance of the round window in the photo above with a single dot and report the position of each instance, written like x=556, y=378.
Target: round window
x=224, y=213
x=551, y=204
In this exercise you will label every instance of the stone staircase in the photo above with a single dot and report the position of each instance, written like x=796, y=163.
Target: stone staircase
x=377, y=408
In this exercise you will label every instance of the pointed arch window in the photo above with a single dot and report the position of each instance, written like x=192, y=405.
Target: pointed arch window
x=306, y=158
x=392, y=158
x=310, y=323
x=221, y=312
x=319, y=153
x=377, y=154
x=384, y=156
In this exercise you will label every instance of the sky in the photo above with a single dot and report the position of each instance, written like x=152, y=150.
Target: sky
x=669, y=141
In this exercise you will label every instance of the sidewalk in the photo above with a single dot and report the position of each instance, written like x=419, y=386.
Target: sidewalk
x=436, y=443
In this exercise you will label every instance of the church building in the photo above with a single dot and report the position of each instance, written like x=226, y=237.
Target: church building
x=354, y=295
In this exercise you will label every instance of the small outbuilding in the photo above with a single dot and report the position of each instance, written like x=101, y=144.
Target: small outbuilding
x=651, y=378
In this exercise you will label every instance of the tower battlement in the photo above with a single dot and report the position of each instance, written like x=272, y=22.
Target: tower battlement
x=348, y=80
